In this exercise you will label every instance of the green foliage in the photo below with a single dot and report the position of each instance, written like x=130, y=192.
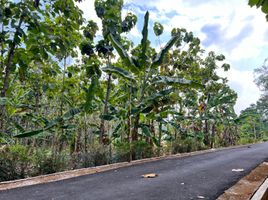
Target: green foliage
x=158, y=29
x=119, y=71
x=160, y=57
x=45, y=162
x=260, y=3
x=129, y=22
x=123, y=53
x=187, y=145
x=14, y=162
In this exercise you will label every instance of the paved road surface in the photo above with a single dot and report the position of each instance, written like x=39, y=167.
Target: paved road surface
x=206, y=175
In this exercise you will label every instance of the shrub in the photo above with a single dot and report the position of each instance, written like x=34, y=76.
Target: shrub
x=97, y=154
x=187, y=145
x=141, y=149
x=45, y=162
x=14, y=162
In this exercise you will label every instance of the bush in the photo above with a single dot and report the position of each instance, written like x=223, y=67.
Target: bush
x=187, y=145
x=44, y=162
x=14, y=162
x=122, y=151
x=96, y=155
x=140, y=148
x=245, y=140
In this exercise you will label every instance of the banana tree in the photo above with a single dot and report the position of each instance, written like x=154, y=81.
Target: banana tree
x=144, y=64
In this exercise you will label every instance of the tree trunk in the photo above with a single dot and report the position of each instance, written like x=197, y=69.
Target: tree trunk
x=105, y=111
x=159, y=137
x=206, y=131
x=134, y=135
x=212, y=136
x=7, y=72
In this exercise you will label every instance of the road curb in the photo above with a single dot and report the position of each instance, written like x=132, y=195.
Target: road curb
x=262, y=192
x=246, y=187
x=92, y=170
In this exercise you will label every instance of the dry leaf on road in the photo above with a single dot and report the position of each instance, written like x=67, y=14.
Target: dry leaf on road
x=237, y=170
x=149, y=175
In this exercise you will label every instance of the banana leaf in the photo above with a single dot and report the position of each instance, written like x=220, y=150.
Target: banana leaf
x=144, y=40
x=123, y=53
x=160, y=56
x=122, y=72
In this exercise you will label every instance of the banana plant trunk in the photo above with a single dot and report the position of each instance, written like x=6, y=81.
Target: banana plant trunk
x=213, y=130
x=159, y=137
x=206, y=131
x=134, y=135
x=105, y=110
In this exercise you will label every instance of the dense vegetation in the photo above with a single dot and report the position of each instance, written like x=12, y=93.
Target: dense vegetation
x=70, y=99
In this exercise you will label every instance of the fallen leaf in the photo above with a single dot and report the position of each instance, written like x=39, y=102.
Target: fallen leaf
x=237, y=170
x=149, y=175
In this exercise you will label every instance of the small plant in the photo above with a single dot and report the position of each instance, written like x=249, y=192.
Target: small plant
x=44, y=162
x=14, y=162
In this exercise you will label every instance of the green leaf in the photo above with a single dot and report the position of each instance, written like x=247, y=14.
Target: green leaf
x=19, y=127
x=145, y=130
x=144, y=43
x=29, y=133
x=119, y=71
x=123, y=53
x=253, y=2
x=158, y=29
x=155, y=141
x=226, y=66
x=160, y=57
x=68, y=126
x=53, y=123
x=107, y=117
x=71, y=113
x=114, y=133
x=264, y=7
x=4, y=101
x=174, y=80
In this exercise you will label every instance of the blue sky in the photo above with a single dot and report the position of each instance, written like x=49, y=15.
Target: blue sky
x=228, y=27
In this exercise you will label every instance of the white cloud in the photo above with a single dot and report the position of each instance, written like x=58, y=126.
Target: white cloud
x=89, y=12
x=243, y=83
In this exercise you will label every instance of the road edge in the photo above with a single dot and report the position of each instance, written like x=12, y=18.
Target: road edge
x=246, y=187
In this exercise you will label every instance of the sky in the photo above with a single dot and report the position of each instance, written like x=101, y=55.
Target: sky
x=228, y=27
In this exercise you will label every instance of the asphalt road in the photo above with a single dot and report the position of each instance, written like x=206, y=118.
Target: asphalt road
x=194, y=177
